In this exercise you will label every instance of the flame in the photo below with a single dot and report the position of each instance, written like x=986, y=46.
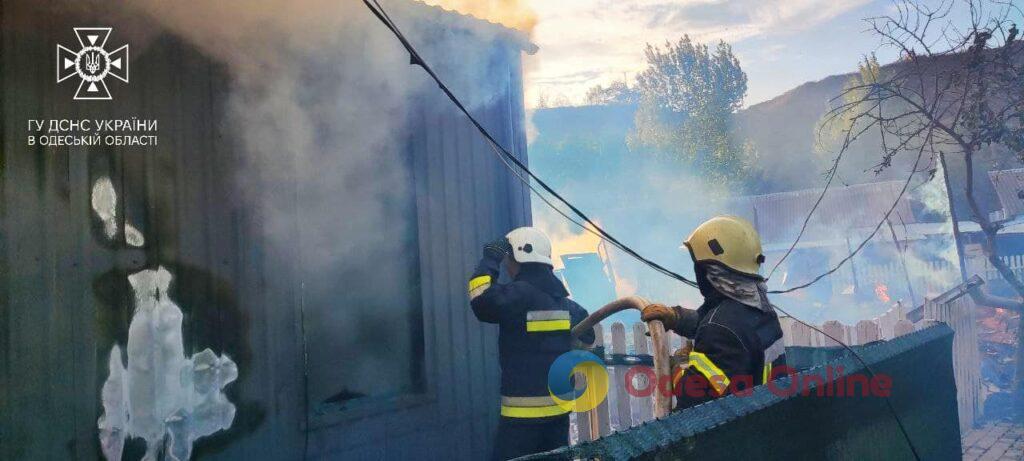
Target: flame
x=563, y=244
x=882, y=292
x=587, y=242
x=515, y=14
x=624, y=287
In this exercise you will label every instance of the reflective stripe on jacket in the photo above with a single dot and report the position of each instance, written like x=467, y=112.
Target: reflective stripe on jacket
x=534, y=328
x=734, y=345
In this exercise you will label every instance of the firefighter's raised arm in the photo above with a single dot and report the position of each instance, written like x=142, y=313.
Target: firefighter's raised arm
x=489, y=299
x=535, y=328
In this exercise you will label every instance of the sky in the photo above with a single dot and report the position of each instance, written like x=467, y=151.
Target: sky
x=780, y=43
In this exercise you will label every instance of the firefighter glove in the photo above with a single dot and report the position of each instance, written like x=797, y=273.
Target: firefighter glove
x=666, y=314
x=498, y=249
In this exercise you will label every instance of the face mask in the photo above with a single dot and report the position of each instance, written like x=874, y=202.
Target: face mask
x=706, y=289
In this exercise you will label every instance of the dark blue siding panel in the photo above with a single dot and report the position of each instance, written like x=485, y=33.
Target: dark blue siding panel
x=65, y=300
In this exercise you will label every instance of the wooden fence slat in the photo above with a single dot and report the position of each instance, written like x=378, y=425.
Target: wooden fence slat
x=675, y=342
x=902, y=327
x=884, y=323
x=600, y=423
x=587, y=422
x=787, y=330
x=801, y=334
x=959, y=315
x=867, y=331
x=642, y=408
x=834, y=329
x=584, y=421
x=620, y=417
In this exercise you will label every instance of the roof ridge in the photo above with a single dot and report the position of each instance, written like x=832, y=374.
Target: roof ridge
x=793, y=193
x=522, y=37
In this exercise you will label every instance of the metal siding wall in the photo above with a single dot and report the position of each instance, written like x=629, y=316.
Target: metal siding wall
x=65, y=298
x=517, y=132
x=466, y=197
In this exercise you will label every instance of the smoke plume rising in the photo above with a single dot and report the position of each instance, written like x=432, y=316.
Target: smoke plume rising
x=321, y=97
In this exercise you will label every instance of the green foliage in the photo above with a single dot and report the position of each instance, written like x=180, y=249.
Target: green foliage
x=617, y=93
x=856, y=99
x=687, y=99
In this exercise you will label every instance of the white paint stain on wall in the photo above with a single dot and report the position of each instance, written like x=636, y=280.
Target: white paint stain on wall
x=160, y=395
x=104, y=204
x=133, y=236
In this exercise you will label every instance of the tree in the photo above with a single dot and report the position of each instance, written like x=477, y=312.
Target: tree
x=955, y=95
x=688, y=96
x=832, y=127
x=617, y=93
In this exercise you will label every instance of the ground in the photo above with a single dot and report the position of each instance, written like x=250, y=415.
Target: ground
x=996, y=441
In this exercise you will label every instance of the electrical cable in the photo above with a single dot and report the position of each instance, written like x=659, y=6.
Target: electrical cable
x=555, y=208
x=803, y=227
x=592, y=227
x=864, y=243
x=416, y=59
x=871, y=376
x=867, y=368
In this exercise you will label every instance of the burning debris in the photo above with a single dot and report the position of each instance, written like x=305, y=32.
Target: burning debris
x=997, y=340
x=882, y=292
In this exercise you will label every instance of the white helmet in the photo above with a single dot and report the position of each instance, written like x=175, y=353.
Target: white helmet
x=530, y=245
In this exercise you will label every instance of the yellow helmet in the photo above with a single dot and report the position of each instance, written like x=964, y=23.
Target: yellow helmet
x=730, y=240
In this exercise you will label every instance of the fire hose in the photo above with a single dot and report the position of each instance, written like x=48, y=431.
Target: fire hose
x=659, y=342
x=656, y=329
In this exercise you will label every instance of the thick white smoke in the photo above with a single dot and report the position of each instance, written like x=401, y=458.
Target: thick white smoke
x=320, y=103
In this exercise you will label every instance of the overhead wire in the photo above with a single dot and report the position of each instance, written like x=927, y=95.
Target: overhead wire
x=867, y=368
x=863, y=243
x=803, y=227
x=416, y=59
x=590, y=226
x=850, y=137
x=871, y=376
x=583, y=226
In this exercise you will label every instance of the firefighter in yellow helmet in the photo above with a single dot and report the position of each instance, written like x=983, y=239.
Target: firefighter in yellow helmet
x=737, y=339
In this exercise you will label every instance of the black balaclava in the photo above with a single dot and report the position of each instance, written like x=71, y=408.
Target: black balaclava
x=543, y=277
x=708, y=291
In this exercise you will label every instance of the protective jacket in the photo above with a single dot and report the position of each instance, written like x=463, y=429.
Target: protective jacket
x=534, y=317
x=735, y=345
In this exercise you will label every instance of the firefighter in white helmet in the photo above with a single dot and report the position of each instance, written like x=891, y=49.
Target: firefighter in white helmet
x=737, y=339
x=535, y=316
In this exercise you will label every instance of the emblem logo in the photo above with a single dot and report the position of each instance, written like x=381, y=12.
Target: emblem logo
x=92, y=63
x=563, y=388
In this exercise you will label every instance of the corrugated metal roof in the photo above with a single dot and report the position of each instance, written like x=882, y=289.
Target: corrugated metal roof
x=778, y=216
x=1009, y=186
x=454, y=18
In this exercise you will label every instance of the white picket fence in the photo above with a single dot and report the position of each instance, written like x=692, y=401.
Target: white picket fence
x=889, y=325
x=984, y=268
x=621, y=410
x=921, y=277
